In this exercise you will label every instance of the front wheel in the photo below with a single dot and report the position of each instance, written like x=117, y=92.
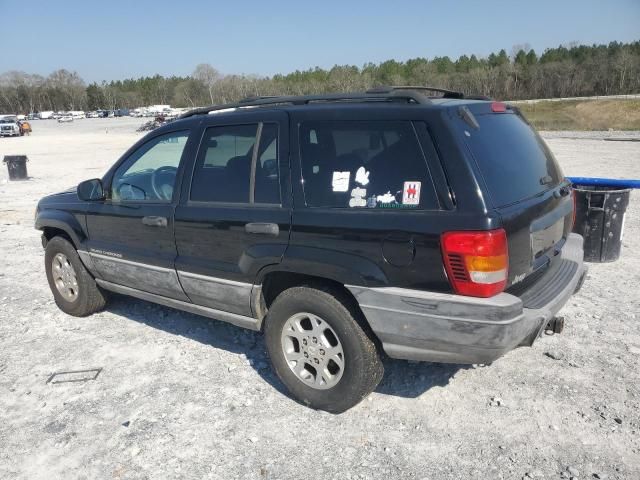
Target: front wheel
x=320, y=350
x=74, y=289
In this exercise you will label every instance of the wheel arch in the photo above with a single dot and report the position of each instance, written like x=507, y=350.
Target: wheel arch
x=274, y=282
x=57, y=222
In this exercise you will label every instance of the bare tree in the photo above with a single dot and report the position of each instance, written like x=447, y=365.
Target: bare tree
x=208, y=75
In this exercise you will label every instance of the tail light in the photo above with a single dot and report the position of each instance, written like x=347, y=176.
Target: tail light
x=477, y=263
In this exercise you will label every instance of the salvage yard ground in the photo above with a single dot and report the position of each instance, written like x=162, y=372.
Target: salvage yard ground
x=174, y=395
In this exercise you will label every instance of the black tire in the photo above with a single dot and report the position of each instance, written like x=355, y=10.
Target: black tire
x=363, y=368
x=90, y=298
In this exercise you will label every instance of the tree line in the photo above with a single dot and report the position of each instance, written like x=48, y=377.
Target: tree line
x=566, y=71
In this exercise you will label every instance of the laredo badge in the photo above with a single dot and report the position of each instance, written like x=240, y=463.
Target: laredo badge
x=411, y=193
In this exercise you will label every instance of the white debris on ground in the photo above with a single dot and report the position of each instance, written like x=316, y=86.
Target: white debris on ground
x=182, y=396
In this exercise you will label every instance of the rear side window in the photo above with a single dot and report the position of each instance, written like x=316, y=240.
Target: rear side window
x=513, y=160
x=267, y=188
x=223, y=170
x=364, y=164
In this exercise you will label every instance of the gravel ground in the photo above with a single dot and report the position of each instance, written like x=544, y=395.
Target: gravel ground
x=180, y=396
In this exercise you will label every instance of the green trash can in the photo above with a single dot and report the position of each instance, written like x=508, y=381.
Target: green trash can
x=600, y=213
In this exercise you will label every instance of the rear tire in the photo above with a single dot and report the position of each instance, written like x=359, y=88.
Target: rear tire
x=74, y=289
x=319, y=348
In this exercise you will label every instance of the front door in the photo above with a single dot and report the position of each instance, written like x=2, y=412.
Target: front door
x=131, y=234
x=234, y=216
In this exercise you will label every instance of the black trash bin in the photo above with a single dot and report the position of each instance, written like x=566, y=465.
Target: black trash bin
x=17, y=166
x=600, y=214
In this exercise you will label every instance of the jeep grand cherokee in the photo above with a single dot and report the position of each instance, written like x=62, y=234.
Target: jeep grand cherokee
x=431, y=228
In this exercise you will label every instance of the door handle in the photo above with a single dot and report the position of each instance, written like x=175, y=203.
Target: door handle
x=155, y=221
x=262, y=228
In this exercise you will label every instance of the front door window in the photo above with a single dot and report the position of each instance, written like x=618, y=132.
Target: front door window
x=149, y=174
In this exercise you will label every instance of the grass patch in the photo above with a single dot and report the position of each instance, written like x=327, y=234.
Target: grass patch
x=583, y=114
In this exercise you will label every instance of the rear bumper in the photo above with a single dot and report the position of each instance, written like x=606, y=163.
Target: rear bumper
x=439, y=327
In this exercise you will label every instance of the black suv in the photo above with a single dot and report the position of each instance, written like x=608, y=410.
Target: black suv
x=430, y=228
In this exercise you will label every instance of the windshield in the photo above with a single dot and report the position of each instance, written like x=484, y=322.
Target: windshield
x=514, y=161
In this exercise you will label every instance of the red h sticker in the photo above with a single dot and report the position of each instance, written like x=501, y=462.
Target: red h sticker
x=411, y=193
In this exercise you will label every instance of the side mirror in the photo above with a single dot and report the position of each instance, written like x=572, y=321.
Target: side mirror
x=91, y=190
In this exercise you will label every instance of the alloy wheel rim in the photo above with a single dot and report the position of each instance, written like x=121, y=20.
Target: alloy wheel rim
x=313, y=351
x=64, y=277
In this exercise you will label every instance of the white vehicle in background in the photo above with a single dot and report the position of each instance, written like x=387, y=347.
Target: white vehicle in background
x=65, y=118
x=77, y=114
x=45, y=115
x=9, y=126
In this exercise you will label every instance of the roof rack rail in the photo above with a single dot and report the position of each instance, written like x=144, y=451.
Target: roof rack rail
x=256, y=97
x=477, y=97
x=394, y=88
x=408, y=94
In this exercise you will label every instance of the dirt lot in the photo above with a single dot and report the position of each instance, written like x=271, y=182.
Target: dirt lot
x=181, y=396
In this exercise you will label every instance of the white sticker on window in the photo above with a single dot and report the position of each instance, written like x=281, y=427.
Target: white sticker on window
x=358, y=197
x=362, y=176
x=411, y=193
x=340, y=182
x=386, y=198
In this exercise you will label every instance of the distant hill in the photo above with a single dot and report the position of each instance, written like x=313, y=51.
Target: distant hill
x=616, y=114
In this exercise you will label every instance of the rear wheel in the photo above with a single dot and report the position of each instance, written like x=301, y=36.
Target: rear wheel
x=320, y=350
x=74, y=289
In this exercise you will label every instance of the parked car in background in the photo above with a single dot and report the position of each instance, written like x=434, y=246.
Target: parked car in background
x=32, y=116
x=9, y=126
x=47, y=114
x=122, y=112
x=65, y=118
x=77, y=113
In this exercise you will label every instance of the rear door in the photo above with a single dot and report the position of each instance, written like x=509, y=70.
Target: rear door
x=234, y=215
x=524, y=183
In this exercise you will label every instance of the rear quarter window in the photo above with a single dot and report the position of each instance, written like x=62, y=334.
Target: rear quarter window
x=364, y=164
x=513, y=160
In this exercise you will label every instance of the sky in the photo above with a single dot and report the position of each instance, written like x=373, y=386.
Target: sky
x=116, y=39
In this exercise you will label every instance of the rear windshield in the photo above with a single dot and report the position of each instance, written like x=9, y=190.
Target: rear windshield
x=513, y=159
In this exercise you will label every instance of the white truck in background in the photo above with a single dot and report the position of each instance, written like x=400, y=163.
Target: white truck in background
x=45, y=115
x=9, y=126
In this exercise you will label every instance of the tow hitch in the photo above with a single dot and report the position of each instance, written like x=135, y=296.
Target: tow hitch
x=555, y=325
